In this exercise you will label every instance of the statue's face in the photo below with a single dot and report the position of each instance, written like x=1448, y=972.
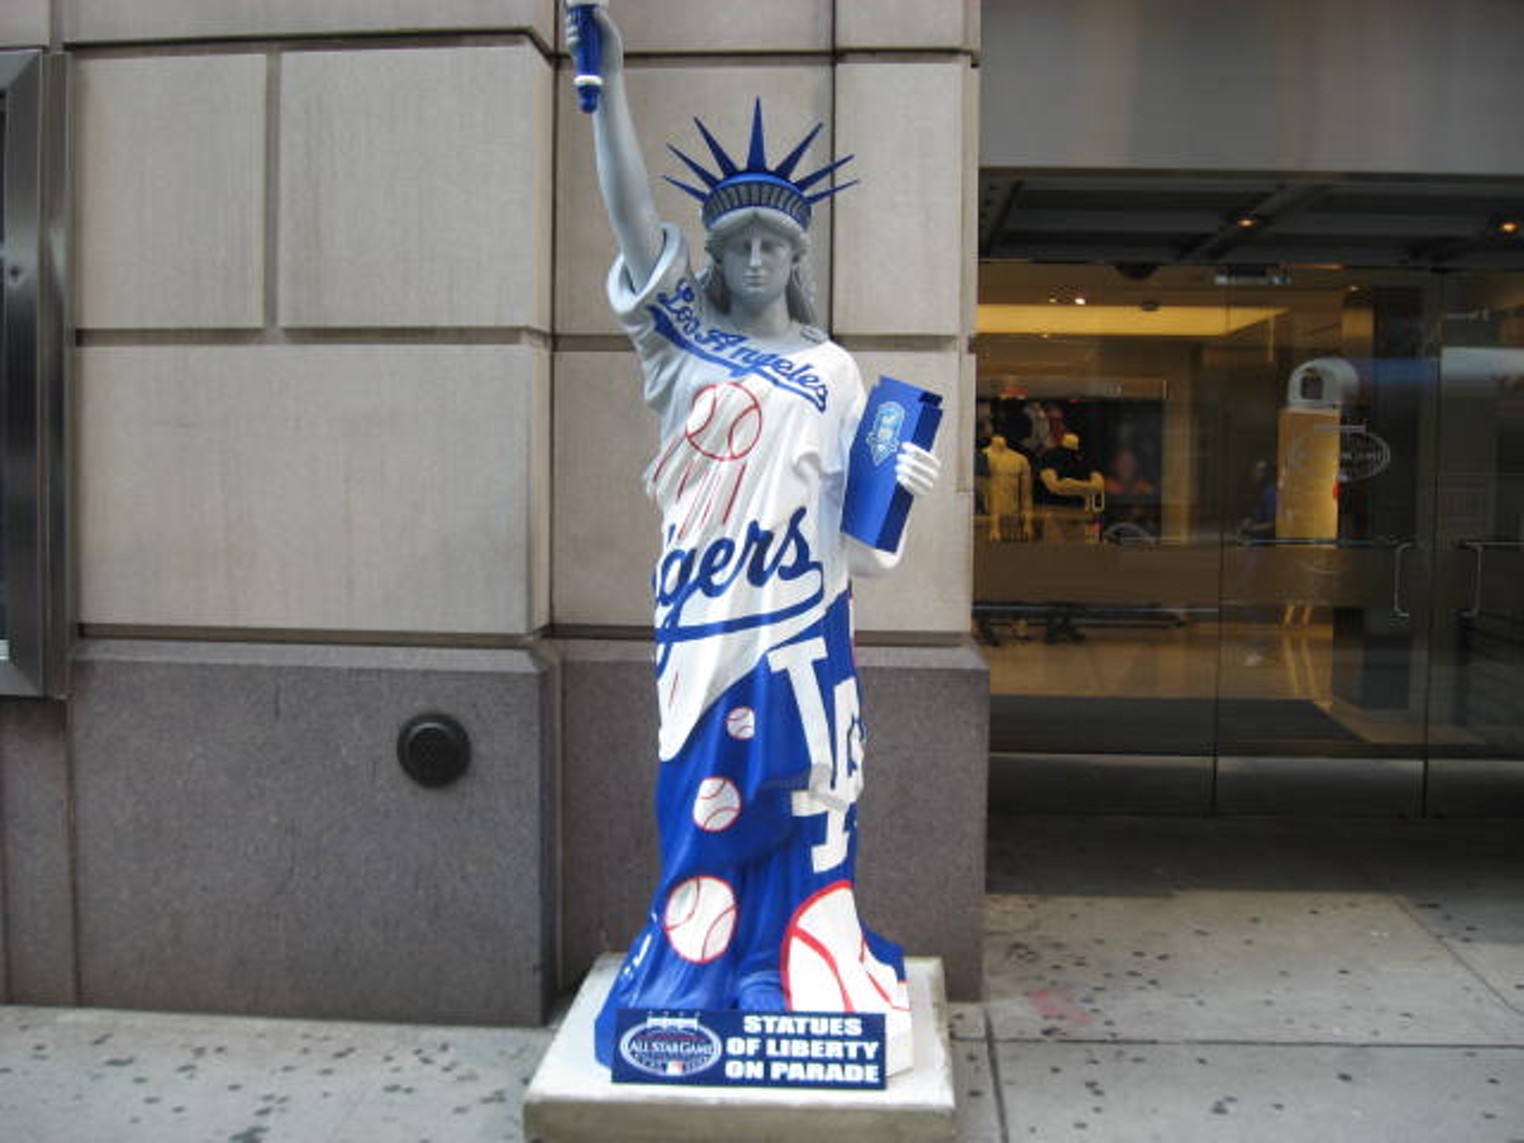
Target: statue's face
x=756, y=262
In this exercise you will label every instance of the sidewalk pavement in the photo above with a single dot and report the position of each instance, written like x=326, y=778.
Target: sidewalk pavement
x=1256, y=980
x=1146, y=979
x=96, y=1076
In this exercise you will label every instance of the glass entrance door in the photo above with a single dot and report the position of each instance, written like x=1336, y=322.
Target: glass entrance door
x=1324, y=667
x=1252, y=545
x=1097, y=546
x=1476, y=692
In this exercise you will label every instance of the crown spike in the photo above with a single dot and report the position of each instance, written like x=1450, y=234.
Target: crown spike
x=785, y=169
x=727, y=164
x=756, y=156
x=702, y=196
x=810, y=180
x=825, y=194
x=709, y=180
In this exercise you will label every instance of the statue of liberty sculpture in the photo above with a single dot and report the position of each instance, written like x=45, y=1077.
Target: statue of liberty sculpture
x=761, y=740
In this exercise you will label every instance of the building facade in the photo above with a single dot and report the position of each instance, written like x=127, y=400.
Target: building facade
x=352, y=438
x=337, y=434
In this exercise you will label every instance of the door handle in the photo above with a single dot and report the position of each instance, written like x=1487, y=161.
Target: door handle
x=1401, y=550
x=1476, y=580
x=1478, y=548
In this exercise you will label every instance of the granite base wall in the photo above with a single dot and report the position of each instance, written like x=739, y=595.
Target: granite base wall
x=922, y=815
x=37, y=951
x=247, y=842
x=226, y=828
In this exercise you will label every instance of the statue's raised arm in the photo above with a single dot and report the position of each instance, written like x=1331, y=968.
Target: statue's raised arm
x=622, y=173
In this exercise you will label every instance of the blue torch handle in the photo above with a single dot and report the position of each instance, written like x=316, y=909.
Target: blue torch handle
x=587, y=55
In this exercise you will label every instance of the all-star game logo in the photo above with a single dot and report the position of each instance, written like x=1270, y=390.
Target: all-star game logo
x=670, y=1046
x=884, y=438
x=729, y=1047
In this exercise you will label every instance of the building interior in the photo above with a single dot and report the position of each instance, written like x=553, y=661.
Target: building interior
x=1287, y=577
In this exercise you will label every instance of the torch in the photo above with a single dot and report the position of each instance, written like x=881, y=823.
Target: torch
x=587, y=52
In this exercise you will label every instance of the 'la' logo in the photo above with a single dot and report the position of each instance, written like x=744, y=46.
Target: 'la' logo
x=884, y=439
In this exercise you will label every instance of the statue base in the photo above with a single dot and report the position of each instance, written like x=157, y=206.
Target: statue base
x=572, y=1098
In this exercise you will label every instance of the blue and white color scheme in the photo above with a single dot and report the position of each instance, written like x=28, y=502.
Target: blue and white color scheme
x=734, y=187
x=587, y=53
x=884, y=438
x=877, y=507
x=761, y=740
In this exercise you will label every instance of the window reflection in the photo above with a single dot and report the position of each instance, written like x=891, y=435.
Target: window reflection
x=1254, y=511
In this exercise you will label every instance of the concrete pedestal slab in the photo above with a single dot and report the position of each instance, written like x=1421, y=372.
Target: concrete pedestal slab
x=572, y=1099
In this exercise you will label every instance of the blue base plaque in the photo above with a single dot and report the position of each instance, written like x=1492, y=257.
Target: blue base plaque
x=732, y=1048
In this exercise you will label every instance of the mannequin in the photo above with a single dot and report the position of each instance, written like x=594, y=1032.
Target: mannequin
x=761, y=742
x=1039, y=438
x=1075, y=494
x=1010, y=492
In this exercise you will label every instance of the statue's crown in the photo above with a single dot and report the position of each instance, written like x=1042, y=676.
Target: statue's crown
x=735, y=187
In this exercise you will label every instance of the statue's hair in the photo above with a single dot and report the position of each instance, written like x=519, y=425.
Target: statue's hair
x=800, y=294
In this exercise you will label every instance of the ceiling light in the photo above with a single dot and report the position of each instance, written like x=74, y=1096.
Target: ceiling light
x=1121, y=321
x=1252, y=276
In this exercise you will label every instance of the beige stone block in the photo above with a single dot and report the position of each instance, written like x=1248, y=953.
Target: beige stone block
x=169, y=155
x=107, y=20
x=948, y=373
x=932, y=588
x=24, y=23
x=701, y=26
x=607, y=531
x=415, y=188
x=536, y=437
x=907, y=24
x=972, y=110
x=967, y=426
x=382, y=488
x=663, y=101
x=899, y=237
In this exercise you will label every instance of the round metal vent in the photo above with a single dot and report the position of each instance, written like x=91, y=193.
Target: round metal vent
x=434, y=750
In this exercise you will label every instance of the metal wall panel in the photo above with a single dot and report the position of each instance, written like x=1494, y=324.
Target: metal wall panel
x=1399, y=86
x=33, y=384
